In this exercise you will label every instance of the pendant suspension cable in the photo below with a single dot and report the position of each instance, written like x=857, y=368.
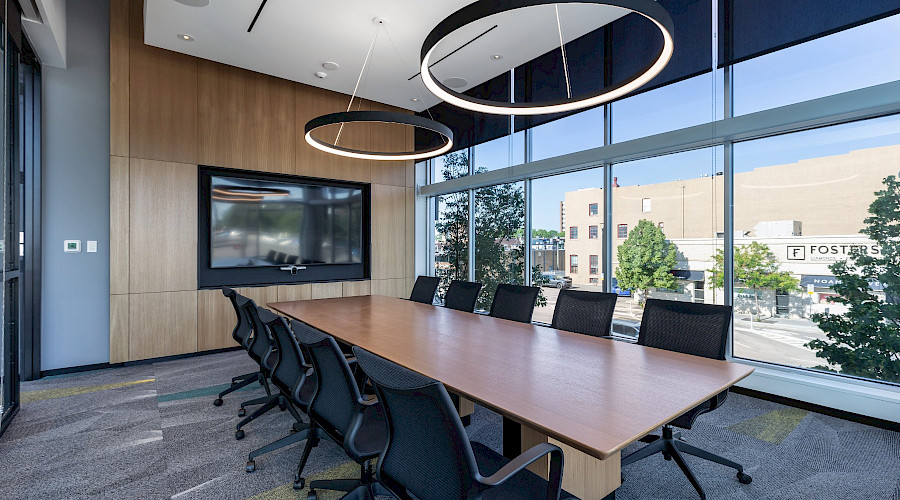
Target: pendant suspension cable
x=403, y=63
x=358, y=79
x=562, y=48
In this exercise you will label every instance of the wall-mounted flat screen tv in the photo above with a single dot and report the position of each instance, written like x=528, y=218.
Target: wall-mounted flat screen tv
x=256, y=222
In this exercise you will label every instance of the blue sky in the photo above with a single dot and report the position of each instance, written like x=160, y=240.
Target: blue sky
x=852, y=59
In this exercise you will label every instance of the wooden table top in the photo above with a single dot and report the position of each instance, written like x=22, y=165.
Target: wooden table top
x=596, y=395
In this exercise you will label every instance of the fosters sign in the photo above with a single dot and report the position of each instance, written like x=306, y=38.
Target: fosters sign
x=827, y=252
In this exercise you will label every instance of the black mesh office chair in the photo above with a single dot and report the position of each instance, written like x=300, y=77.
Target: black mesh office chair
x=263, y=351
x=514, y=302
x=462, y=295
x=588, y=313
x=428, y=455
x=243, y=335
x=338, y=412
x=423, y=290
x=295, y=379
x=700, y=330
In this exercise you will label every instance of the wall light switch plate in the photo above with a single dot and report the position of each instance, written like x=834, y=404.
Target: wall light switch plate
x=91, y=246
x=72, y=246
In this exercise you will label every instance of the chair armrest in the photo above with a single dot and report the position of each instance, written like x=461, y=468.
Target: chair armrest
x=554, y=484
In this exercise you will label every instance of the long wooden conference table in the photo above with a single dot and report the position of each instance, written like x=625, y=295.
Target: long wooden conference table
x=590, y=396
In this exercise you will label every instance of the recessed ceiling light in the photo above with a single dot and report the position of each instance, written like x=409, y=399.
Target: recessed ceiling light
x=331, y=66
x=455, y=82
x=321, y=74
x=185, y=37
x=497, y=57
x=415, y=99
x=194, y=3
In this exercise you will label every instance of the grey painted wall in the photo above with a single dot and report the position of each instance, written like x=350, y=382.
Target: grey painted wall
x=75, y=294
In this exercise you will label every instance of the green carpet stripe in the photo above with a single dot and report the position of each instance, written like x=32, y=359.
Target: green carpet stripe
x=774, y=426
x=196, y=393
x=347, y=470
x=28, y=397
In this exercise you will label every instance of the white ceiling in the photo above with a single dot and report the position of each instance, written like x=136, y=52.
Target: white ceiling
x=292, y=38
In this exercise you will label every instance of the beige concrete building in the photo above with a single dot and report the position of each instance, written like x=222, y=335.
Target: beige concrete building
x=809, y=213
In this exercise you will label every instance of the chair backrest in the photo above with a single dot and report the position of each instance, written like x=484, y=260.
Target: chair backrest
x=423, y=290
x=337, y=401
x=514, y=302
x=588, y=313
x=289, y=373
x=686, y=327
x=462, y=295
x=428, y=452
x=243, y=332
x=263, y=345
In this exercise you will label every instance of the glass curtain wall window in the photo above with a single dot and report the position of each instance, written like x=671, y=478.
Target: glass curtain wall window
x=688, y=197
x=816, y=264
x=451, y=239
x=558, y=202
x=499, y=238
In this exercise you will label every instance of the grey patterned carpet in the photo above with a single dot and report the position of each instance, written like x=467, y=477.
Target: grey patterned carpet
x=151, y=431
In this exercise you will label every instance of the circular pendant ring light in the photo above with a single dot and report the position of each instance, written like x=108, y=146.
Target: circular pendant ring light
x=649, y=9
x=392, y=117
x=381, y=117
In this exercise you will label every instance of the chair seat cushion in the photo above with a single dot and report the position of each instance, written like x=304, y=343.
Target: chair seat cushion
x=686, y=421
x=524, y=485
x=372, y=435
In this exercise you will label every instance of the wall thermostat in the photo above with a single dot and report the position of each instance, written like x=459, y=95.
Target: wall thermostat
x=72, y=246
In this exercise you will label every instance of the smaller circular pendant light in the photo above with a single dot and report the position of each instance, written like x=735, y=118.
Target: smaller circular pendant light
x=381, y=117
x=479, y=10
x=390, y=117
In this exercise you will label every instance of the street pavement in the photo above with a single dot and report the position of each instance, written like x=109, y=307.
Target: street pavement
x=775, y=340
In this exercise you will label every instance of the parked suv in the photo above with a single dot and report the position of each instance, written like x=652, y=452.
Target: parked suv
x=556, y=280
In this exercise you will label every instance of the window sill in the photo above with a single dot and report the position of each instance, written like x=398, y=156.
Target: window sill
x=862, y=397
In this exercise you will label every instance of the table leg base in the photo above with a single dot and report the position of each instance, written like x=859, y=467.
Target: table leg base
x=584, y=476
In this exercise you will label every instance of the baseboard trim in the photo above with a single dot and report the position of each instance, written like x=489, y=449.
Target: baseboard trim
x=103, y=366
x=824, y=410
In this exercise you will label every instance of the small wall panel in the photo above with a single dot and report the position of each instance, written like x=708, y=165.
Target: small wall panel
x=246, y=119
x=118, y=77
x=162, y=98
x=287, y=293
x=118, y=328
x=355, y=288
x=216, y=320
x=410, y=239
x=262, y=295
x=399, y=288
x=119, y=225
x=389, y=232
x=163, y=215
x=327, y=290
x=162, y=324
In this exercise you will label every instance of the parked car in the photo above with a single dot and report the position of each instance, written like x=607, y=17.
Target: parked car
x=626, y=328
x=556, y=281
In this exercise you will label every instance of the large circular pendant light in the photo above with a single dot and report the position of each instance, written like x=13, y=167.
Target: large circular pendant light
x=382, y=117
x=478, y=10
x=391, y=117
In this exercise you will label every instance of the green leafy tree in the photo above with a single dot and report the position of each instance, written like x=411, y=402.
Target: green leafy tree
x=756, y=267
x=646, y=259
x=499, y=246
x=865, y=341
x=545, y=233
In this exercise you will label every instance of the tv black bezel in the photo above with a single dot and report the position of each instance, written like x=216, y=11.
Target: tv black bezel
x=214, y=277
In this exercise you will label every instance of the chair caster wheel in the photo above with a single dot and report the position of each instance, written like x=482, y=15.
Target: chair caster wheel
x=744, y=478
x=282, y=407
x=312, y=495
x=251, y=466
x=217, y=402
x=242, y=412
x=299, y=482
x=239, y=434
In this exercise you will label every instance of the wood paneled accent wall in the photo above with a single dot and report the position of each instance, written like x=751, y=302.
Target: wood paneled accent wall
x=170, y=113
